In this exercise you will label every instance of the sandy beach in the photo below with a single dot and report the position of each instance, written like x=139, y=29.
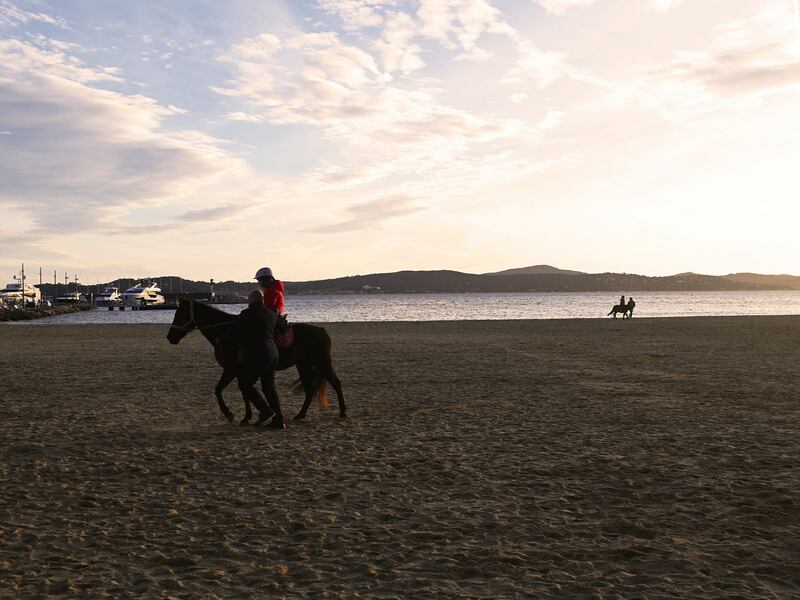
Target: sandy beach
x=655, y=458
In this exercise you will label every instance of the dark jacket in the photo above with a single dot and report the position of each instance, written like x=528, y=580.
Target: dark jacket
x=253, y=331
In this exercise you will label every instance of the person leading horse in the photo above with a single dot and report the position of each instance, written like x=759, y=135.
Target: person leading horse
x=258, y=357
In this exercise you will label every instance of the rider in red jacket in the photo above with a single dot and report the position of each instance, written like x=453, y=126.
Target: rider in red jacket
x=272, y=289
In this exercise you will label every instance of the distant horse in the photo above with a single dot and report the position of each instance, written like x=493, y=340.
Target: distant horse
x=625, y=309
x=310, y=353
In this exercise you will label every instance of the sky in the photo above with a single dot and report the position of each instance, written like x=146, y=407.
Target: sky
x=326, y=138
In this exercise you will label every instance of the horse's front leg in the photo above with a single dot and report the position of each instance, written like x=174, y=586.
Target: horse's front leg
x=228, y=375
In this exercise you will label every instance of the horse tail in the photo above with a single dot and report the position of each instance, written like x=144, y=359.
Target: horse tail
x=322, y=392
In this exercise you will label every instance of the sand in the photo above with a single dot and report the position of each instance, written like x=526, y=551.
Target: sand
x=597, y=458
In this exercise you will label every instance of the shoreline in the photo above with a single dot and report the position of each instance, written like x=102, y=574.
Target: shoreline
x=37, y=320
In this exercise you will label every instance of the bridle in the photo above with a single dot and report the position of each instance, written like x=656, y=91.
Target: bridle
x=190, y=324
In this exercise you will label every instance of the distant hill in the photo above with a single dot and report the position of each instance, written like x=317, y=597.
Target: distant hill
x=456, y=282
x=537, y=270
x=791, y=282
x=538, y=278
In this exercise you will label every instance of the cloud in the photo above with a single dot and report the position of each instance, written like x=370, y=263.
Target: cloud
x=664, y=5
x=455, y=24
x=80, y=156
x=303, y=78
x=13, y=16
x=459, y=23
x=372, y=214
x=316, y=79
x=748, y=60
x=560, y=7
x=358, y=14
x=395, y=48
x=535, y=66
x=392, y=133
x=551, y=119
x=226, y=211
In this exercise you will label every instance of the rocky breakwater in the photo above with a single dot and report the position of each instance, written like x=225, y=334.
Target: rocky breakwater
x=26, y=314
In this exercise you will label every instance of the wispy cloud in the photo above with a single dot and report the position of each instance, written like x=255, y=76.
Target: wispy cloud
x=371, y=215
x=560, y=7
x=358, y=14
x=460, y=23
x=747, y=61
x=317, y=79
x=11, y=15
x=216, y=214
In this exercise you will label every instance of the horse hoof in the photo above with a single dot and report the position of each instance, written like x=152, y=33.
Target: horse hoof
x=244, y=422
x=298, y=416
x=229, y=417
x=342, y=415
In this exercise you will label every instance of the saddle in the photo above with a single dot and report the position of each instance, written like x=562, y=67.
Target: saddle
x=284, y=334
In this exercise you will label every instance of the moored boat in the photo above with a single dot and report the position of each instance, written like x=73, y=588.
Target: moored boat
x=15, y=293
x=143, y=294
x=109, y=297
x=71, y=298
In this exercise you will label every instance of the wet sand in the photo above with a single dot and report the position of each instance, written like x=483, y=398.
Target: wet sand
x=598, y=458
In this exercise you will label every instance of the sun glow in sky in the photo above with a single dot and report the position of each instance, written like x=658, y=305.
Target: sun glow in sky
x=335, y=137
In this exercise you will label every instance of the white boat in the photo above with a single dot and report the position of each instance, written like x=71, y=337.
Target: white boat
x=71, y=298
x=143, y=294
x=109, y=297
x=14, y=293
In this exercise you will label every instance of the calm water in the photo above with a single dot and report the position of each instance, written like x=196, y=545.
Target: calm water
x=449, y=307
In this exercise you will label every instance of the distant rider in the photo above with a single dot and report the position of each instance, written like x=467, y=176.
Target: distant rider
x=253, y=332
x=622, y=301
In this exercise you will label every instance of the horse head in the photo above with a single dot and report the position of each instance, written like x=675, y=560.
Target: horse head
x=183, y=322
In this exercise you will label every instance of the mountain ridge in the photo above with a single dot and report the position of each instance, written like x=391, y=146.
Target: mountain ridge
x=537, y=270
x=536, y=278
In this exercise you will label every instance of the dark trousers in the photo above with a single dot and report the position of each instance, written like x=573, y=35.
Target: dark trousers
x=251, y=371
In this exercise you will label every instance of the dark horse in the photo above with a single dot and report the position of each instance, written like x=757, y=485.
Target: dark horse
x=310, y=353
x=625, y=309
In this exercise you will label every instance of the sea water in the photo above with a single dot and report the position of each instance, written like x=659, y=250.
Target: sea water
x=329, y=308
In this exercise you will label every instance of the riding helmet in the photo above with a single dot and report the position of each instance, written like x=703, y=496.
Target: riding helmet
x=263, y=272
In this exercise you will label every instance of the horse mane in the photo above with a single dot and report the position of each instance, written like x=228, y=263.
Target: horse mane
x=214, y=314
x=210, y=321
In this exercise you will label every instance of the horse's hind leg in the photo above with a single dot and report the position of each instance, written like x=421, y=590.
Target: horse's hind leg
x=307, y=379
x=337, y=386
x=224, y=380
x=248, y=412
